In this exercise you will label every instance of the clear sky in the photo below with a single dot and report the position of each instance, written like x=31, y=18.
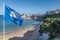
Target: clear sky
x=31, y=6
x=1, y=7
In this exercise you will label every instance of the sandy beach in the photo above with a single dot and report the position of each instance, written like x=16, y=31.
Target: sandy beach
x=30, y=33
x=19, y=33
x=1, y=37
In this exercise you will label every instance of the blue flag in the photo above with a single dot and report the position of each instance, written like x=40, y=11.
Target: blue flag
x=12, y=16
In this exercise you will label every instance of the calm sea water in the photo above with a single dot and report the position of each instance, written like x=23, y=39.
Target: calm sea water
x=1, y=23
x=10, y=27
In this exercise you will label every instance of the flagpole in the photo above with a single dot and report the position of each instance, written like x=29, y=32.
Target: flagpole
x=3, y=21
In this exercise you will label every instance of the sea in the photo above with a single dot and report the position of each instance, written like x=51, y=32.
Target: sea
x=11, y=27
x=1, y=23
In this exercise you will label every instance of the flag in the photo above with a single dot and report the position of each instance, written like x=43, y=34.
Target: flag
x=12, y=16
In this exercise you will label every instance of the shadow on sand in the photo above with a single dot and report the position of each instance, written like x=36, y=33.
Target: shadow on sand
x=27, y=36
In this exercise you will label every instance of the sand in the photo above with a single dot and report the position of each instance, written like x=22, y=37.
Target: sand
x=30, y=33
x=19, y=33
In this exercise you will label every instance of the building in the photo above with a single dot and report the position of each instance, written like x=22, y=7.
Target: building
x=25, y=16
x=57, y=11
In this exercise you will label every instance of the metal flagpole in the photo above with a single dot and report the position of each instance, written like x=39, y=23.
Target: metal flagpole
x=3, y=21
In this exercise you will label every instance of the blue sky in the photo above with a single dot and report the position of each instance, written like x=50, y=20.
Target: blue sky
x=31, y=6
x=1, y=7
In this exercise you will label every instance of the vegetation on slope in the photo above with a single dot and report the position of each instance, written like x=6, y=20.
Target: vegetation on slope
x=51, y=24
